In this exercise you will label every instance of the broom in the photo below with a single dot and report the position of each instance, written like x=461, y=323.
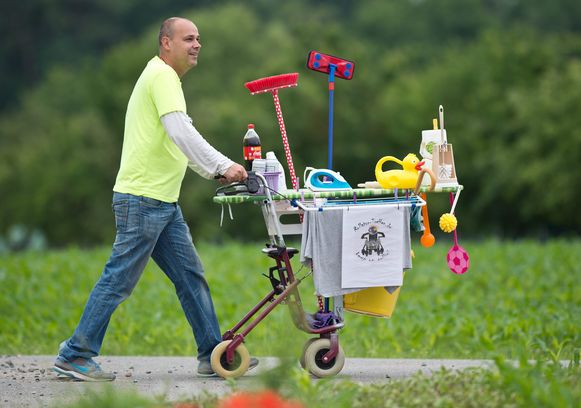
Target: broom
x=272, y=84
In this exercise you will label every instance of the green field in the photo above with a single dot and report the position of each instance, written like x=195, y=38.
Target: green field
x=517, y=296
x=519, y=300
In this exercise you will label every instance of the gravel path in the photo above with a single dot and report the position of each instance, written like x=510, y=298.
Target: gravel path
x=28, y=381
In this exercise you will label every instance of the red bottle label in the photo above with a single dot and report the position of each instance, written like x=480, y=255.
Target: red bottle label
x=252, y=152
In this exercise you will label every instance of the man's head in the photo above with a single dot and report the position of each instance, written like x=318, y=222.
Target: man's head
x=179, y=44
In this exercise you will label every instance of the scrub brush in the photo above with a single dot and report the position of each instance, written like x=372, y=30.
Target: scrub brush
x=448, y=221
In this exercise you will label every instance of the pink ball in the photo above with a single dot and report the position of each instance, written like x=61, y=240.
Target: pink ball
x=458, y=261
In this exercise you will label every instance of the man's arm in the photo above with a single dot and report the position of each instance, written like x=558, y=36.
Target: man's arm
x=203, y=158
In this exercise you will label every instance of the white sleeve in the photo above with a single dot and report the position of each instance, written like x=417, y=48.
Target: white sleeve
x=203, y=158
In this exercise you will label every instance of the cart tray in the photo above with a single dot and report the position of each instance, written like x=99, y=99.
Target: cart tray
x=306, y=194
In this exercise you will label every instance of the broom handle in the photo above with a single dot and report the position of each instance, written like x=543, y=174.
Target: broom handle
x=287, y=150
x=332, y=68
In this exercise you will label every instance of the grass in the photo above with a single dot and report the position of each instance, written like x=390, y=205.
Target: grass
x=519, y=301
x=516, y=296
x=538, y=384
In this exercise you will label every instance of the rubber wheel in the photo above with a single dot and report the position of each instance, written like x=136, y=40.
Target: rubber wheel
x=314, y=359
x=307, y=344
x=238, y=367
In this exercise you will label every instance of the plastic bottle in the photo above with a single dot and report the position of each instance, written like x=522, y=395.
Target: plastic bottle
x=274, y=166
x=251, y=147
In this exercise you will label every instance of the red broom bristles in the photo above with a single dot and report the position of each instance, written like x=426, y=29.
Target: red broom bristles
x=272, y=83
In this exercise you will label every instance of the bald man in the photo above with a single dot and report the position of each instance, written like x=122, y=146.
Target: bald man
x=159, y=144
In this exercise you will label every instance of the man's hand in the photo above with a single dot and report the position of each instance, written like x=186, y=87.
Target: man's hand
x=234, y=173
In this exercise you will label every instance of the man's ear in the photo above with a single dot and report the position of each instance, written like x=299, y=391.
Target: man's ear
x=165, y=43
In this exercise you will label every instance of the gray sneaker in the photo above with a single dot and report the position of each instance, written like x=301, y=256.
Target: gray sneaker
x=205, y=368
x=81, y=369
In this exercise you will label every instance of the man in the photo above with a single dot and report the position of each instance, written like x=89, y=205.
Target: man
x=159, y=144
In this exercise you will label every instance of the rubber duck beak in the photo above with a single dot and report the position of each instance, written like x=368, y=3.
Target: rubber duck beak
x=419, y=165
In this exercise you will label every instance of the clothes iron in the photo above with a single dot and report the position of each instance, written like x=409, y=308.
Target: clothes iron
x=324, y=179
x=250, y=186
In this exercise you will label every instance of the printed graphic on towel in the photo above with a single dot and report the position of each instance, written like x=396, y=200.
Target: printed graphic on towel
x=372, y=243
x=373, y=230
x=372, y=247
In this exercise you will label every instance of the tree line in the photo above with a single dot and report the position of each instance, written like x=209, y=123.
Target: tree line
x=507, y=73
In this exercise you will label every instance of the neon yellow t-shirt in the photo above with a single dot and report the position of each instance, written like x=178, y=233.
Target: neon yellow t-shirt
x=151, y=163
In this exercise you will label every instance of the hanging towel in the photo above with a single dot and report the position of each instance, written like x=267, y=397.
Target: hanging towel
x=322, y=250
x=376, y=246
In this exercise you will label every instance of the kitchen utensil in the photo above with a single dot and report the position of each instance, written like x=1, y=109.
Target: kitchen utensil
x=448, y=221
x=443, y=158
x=427, y=239
x=457, y=258
x=441, y=116
x=369, y=184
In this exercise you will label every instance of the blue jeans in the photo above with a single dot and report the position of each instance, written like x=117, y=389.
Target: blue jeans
x=147, y=228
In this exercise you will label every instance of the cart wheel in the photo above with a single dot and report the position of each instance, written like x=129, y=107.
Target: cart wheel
x=307, y=344
x=238, y=366
x=314, y=359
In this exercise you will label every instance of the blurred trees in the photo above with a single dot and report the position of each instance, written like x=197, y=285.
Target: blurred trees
x=509, y=79
x=37, y=34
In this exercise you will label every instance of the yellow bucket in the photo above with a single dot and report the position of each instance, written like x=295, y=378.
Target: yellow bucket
x=377, y=302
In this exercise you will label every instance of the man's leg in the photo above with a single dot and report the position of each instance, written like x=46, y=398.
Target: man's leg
x=137, y=229
x=177, y=257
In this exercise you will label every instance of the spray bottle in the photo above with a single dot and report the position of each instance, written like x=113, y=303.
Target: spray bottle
x=274, y=166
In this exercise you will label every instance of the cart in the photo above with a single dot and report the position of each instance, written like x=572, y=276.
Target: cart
x=322, y=355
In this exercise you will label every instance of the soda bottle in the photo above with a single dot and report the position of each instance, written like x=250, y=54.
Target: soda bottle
x=251, y=147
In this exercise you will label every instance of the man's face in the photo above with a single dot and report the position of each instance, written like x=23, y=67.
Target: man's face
x=184, y=46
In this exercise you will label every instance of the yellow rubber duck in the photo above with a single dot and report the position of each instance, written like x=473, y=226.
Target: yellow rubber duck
x=405, y=178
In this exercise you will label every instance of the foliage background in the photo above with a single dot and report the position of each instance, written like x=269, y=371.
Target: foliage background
x=507, y=73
